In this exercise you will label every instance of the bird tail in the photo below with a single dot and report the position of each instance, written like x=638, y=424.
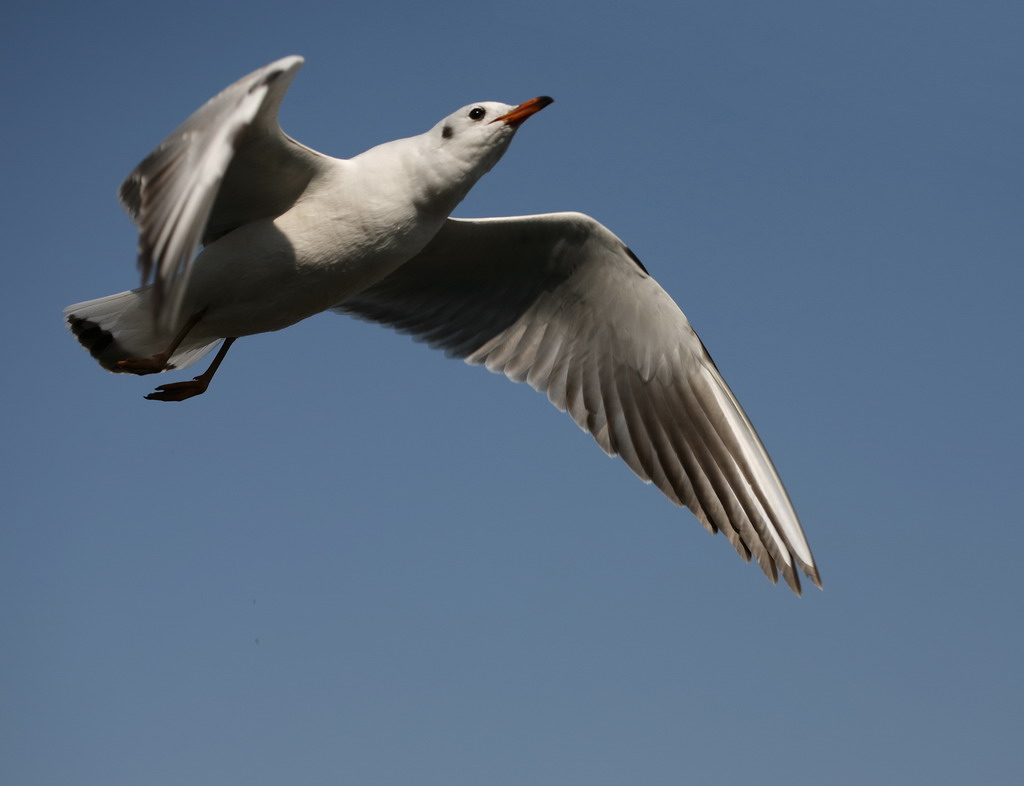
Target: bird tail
x=121, y=326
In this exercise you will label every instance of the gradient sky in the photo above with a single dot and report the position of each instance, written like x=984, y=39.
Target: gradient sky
x=357, y=562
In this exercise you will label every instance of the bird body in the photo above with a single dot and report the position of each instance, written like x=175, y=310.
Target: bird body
x=348, y=225
x=555, y=300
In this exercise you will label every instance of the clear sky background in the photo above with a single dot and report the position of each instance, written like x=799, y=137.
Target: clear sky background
x=356, y=562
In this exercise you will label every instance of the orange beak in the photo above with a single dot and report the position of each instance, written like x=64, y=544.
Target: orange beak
x=524, y=110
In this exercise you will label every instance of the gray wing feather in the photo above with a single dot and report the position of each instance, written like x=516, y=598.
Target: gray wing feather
x=227, y=164
x=559, y=302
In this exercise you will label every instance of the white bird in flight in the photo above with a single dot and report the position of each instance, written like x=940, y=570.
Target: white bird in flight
x=554, y=300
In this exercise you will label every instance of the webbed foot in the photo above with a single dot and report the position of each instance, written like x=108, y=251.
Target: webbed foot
x=179, y=391
x=151, y=365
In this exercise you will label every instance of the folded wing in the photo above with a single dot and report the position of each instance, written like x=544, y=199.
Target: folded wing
x=227, y=164
x=561, y=303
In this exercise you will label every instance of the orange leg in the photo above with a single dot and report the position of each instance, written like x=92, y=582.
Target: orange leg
x=179, y=391
x=158, y=362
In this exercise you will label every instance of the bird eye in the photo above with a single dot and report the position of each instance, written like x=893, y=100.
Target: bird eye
x=476, y=113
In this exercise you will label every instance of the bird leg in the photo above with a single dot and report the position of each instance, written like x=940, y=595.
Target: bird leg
x=158, y=362
x=179, y=391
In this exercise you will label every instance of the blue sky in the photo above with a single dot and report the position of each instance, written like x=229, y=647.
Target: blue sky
x=355, y=561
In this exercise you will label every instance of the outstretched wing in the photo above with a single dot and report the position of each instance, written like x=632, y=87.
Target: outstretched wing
x=560, y=302
x=228, y=164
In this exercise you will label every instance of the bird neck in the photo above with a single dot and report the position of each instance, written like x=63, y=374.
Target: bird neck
x=432, y=178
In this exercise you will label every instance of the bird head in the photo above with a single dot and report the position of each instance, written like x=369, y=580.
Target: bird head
x=480, y=133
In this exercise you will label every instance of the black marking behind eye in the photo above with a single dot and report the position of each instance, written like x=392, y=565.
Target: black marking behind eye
x=476, y=113
x=447, y=132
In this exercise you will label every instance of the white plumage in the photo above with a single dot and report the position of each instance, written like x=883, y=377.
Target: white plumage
x=554, y=300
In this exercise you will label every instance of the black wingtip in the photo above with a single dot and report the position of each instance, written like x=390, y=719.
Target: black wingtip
x=99, y=342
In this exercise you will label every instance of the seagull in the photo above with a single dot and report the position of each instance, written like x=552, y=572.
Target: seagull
x=243, y=230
